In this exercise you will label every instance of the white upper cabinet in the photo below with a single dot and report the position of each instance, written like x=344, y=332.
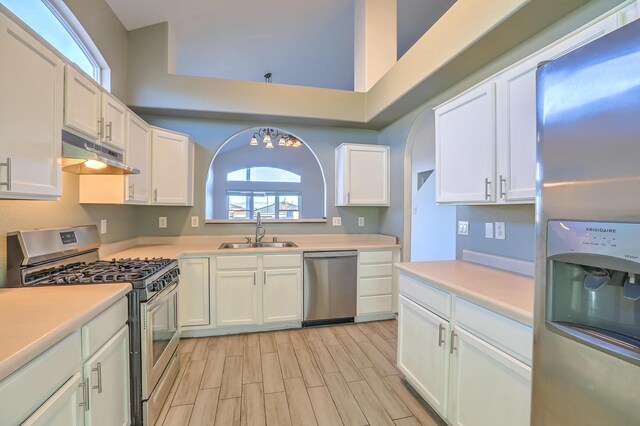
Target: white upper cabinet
x=478, y=165
x=465, y=144
x=114, y=116
x=93, y=113
x=362, y=175
x=82, y=105
x=138, y=187
x=516, y=115
x=171, y=168
x=31, y=100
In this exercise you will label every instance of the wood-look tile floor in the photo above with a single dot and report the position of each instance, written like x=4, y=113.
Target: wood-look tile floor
x=336, y=375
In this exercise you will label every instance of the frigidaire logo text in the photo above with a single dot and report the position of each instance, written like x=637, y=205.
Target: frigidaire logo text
x=607, y=230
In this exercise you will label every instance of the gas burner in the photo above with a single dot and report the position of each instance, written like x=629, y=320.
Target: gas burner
x=100, y=271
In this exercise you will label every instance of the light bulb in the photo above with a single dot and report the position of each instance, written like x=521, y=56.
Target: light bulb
x=297, y=144
x=281, y=142
x=95, y=164
x=269, y=144
x=267, y=139
x=254, y=141
x=289, y=142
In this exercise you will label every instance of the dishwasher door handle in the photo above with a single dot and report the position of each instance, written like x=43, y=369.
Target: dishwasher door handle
x=330, y=254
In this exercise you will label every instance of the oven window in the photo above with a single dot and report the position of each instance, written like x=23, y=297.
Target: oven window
x=164, y=323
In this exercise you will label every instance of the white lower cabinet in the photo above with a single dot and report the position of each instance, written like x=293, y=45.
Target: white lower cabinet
x=59, y=388
x=486, y=386
x=424, y=357
x=108, y=373
x=194, y=291
x=282, y=295
x=464, y=377
x=236, y=298
x=63, y=408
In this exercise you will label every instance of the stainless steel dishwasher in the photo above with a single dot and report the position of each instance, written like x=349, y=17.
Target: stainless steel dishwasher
x=330, y=287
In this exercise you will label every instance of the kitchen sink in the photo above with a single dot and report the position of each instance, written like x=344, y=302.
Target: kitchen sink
x=282, y=244
x=278, y=244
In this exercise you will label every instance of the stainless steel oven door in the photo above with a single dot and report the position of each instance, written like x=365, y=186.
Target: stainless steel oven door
x=160, y=335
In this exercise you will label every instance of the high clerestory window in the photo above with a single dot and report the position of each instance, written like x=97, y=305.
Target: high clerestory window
x=54, y=22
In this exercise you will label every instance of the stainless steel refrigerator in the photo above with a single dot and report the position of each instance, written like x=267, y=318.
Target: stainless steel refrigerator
x=586, y=362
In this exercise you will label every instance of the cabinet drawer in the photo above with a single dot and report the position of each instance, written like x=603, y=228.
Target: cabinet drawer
x=236, y=262
x=382, y=270
x=282, y=260
x=375, y=286
x=426, y=295
x=28, y=388
x=508, y=335
x=376, y=257
x=374, y=304
x=103, y=327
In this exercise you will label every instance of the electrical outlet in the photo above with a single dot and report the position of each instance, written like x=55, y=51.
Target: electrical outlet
x=103, y=226
x=361, y=221
x=162, y=222
x=501, y=232
x=488, y=230
x=463, y=227
x=195, y=221
x=337, y=221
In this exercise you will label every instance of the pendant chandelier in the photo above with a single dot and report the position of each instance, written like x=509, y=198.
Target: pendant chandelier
x=267, y=135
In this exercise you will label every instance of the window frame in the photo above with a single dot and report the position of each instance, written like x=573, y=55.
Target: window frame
x=251, y=194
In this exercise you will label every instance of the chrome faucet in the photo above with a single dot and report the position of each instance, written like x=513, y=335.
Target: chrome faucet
x=260, y=231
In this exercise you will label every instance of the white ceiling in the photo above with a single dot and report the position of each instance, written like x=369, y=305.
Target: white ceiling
x=308, y=43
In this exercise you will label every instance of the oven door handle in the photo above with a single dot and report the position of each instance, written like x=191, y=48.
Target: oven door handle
x=170, y=292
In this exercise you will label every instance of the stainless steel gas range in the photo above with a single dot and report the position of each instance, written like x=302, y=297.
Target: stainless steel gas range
x=70, y=256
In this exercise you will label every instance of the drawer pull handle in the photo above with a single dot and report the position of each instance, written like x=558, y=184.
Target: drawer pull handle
x=441, y=330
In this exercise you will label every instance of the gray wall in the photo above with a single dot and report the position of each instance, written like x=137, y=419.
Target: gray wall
x=22, y=215
x=240, y=155
x=210, y=134
x=519, y=230
x=109, y=35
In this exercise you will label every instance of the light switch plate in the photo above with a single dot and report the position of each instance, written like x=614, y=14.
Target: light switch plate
x=162, y=222
x=501, y=232
x=195, y=221
x=103, y=226
x=488, y=230
x=463, y=227
x=337, y=221
x=361, y=221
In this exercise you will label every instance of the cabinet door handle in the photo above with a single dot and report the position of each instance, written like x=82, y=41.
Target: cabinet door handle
x=503, y=193
x=98, y=370
x=7, y=183
x=100, y=128
x=441, y=331
x=487, y=188
x=85, y=394
x=254, y=278
x=109, y=131
x=155, y=195
x=131, y=196
x=453, y=341
x=348, y=197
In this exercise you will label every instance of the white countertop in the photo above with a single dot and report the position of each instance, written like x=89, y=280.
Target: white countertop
x=204, y=245
x=504, y=292
x=34, y=319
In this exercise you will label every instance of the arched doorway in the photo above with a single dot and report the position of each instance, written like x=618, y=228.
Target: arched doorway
x=430, y=228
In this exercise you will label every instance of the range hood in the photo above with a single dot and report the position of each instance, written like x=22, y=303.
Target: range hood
x=83, y=157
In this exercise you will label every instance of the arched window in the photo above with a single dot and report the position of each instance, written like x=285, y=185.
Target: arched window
x=54, y=22
x=283, y=182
